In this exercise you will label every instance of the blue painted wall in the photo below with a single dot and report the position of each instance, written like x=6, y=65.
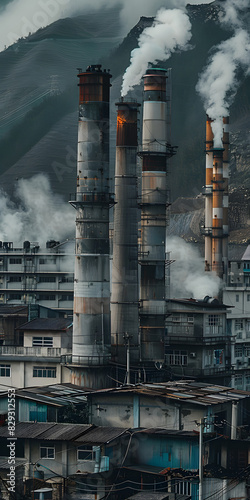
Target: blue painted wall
x=162, y=451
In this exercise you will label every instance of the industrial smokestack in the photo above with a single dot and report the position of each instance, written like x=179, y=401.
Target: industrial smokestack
x=154, y=198
x=208, y=195
x=217, y=227
x=91, y=327
x=125, y=294
x=225, y=192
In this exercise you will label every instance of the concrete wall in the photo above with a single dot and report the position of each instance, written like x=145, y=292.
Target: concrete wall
x=223, y=489
x=22, y=374
x=163, y=451
x=123, y=411
x=28, y=337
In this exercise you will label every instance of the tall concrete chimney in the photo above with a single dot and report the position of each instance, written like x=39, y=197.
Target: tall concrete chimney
x=217, y=226
x=91, y=323
x=225, y=193
x=125, y=293
x=209, y=195
x=154, y=199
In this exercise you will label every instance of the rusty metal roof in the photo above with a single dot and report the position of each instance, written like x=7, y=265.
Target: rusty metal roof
x=184, y=390
x=54, y=324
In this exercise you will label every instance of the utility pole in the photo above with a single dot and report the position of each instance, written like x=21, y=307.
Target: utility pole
x=127, y=338
x=201, y=424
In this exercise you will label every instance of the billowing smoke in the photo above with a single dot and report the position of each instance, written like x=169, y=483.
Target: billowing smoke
x=21, y=17
x=187, y=276
x=220, y=80
x=170, y=31
x=38, y=215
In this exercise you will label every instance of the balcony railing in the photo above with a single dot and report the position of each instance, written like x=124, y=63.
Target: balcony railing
x=8, y=350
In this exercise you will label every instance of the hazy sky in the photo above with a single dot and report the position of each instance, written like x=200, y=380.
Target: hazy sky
x=19, y=17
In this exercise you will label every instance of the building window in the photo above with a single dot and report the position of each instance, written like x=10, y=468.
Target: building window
x=67, y=279
x=213, y=320
x=47, y=279
x=209, y=357
x=4, y=370
x=44, y=371
x=85, y=453
x=177, y=358
x=14, y=260
x=190, y=318
x=43, y=296
x=247, y=350
x=15, y=296
x=238, y=380
x=47, y=452
x=47, y=261
x=239, y=324
x=219, y=356
x=42, y=341
x=69, y=296
x=248, y=297
x=237, y=297
x=238, y=351
x=176, y=318
x=214, y=323
x=14, y=279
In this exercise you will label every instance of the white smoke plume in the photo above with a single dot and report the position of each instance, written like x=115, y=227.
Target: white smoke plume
x=170, y=31
x=220, y=80
x=21, y=17
x=187, y=276
x=38, y=215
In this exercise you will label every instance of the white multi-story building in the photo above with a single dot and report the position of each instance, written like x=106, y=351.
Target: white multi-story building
x=236, y=294
x=32, y=275
x=41, y=359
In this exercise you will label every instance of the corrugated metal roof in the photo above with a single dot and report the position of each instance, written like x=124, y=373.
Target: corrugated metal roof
x=31, y=430
x=65, y=432
x=188, y=391
x=49, y=431
x=55, y=395
x=80, y=433
x=101, y=435
x=54, y=324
